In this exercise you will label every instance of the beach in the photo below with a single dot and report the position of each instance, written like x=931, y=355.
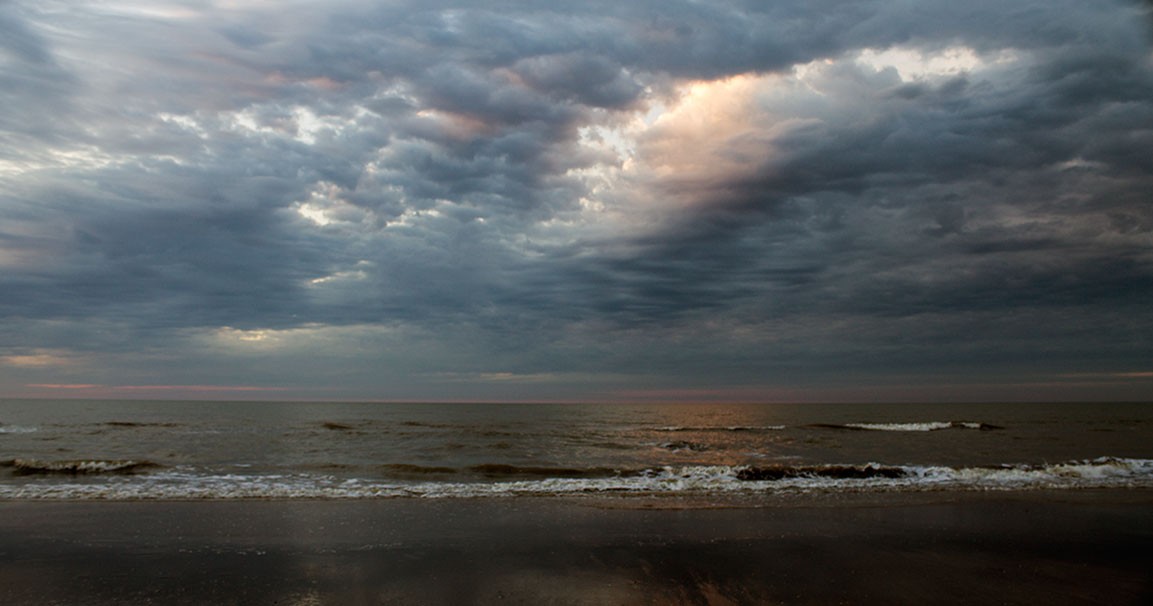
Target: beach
x=287, y=503
x=1035, y=547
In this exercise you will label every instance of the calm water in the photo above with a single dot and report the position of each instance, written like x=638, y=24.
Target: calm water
x=133, y=449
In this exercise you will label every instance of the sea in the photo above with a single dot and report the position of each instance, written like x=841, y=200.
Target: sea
x=181, y=450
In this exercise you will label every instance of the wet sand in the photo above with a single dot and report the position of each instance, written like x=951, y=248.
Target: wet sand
x=980, y=548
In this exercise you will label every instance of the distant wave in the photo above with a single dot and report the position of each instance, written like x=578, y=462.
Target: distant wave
x=922, y=426
x=419, y=470
x=76, y=467
x=17, y=429
x=502, y=472
x=428, y=424
x=1105, y=472
x=704, y=428
x=917, y=426
x=138, y=424
x=684, y=446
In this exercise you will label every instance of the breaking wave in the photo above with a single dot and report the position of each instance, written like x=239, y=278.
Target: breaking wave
x=1105, y=472
x=706, y=428
x=138, y=424
x=76, y=467
x=925, y=426
x=919, y=426
x=405, y=469
x=501, y=472
x=838, y=472
x=684, y=446
x=498, y=471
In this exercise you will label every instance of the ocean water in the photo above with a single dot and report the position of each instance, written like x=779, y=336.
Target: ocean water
x=68, y=449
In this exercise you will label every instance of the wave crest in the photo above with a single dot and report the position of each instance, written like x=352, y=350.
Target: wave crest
x=836, y=472
x=77, y=467
x=707, y=428
x=514, y=481
x=500, y=471
x=918, y=426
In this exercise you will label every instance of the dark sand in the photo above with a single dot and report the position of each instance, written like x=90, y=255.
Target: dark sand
x=1035, y=548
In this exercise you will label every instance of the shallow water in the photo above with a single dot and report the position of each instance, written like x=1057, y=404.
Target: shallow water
x=135, y=449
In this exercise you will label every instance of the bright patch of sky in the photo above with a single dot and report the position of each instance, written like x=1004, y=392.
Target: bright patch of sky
x=913, y=64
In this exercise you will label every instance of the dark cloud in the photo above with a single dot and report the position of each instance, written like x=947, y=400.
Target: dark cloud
x=34, y=88
x=451, y=190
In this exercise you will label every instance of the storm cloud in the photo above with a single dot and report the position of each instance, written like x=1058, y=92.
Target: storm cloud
x=592, y=201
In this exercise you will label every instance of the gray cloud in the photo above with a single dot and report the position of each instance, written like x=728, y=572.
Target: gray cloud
x=529, y=188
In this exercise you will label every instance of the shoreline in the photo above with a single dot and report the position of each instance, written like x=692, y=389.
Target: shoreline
x=687, y=500
x=1030, y=547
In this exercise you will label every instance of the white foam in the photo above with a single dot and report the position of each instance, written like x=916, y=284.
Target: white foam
x=926, y=426
x=17, y=429
x=182, y=484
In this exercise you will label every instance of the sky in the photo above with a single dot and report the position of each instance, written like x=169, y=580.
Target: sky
x=648, y=200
